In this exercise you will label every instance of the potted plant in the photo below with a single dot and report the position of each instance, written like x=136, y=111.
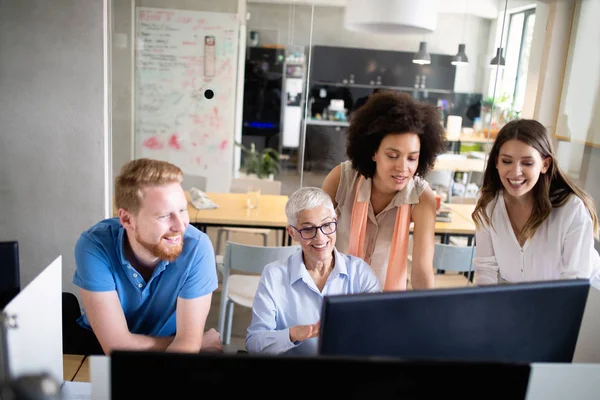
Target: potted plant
x=263, y=165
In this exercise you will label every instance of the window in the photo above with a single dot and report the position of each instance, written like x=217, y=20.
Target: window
x=518, y=48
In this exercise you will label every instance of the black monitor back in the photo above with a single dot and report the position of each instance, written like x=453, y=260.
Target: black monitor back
x=10, y=283
x=523, y=322
x=173, y=375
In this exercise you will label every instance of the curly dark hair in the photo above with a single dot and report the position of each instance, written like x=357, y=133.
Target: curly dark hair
x=388, y=112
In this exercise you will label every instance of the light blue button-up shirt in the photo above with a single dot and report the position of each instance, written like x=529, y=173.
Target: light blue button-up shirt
x=287, y=296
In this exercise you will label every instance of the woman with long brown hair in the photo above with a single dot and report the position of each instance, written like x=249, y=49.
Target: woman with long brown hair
x=532, y=222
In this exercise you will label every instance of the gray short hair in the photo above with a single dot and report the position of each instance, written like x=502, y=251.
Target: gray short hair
x=304, y=199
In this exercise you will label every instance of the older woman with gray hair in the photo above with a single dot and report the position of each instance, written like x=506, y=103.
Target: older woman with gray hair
x=287, y=306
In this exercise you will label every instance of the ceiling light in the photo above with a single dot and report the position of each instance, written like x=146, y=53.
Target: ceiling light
x=498, y=60
x=422, y=56
x=461, y=57
x=391, y=16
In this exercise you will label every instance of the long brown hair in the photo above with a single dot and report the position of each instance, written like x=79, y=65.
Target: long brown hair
x=551, y=190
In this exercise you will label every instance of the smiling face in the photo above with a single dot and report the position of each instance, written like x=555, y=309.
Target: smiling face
x=519, y=167
x=397, y=159
x=159, y=225
x=320, y=248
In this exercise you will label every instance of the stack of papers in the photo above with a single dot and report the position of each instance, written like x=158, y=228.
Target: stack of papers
x=200, y=200
x=443, y=215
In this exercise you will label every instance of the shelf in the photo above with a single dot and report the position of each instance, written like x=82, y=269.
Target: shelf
x=326, y=123
x=366, y=86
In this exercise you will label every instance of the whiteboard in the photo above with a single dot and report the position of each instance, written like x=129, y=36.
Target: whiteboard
x=579, y=109
x=180, y=56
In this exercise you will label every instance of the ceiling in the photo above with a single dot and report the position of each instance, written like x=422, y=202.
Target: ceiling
x=480, y=8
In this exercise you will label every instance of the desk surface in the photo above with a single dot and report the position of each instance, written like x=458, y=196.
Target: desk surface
x=464, y=210
x=71, y=365
x=83, y=375
x=459, y=164
x=232, y=211
x=457, y=226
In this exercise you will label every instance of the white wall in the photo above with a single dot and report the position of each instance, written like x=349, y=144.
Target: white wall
x=52, y=141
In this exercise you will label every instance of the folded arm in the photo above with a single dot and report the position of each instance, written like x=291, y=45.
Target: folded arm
x=579, y=257
x=103, y=310
x=191, y=316
x=486, y=266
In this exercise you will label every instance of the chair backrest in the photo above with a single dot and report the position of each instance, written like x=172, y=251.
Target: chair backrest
x=240, y=185
x=10, y=283
x=71, y=311
x=253, y=259
x=190, y=181
x=453, y=258
x=439, y=178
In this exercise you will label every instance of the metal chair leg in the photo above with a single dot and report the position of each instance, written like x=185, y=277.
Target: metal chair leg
x=230, y=305
x=265, y=239
x=222, y=313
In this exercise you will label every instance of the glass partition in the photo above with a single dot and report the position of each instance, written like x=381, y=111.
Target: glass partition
x=347, y=67
x=208, y=85
x=577, y=129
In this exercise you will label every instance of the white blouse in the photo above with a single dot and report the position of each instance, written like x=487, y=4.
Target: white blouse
x=561, y=248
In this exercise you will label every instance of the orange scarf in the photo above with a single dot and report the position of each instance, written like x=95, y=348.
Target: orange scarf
x=395, y=278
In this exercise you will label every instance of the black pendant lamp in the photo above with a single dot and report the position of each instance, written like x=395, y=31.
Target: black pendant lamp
x=498, y=60
x=461, y=57
x=422, y=56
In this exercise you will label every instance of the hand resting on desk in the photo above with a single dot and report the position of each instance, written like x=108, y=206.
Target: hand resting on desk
x=299, y=333
x=211, y=342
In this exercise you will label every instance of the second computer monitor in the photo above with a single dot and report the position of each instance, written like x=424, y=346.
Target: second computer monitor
x=522, y=323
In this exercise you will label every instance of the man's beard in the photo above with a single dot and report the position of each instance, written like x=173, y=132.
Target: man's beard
x=162, y=252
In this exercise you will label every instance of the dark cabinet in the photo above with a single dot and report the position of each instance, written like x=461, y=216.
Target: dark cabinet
x=325, y=147
x=346, y=65
x=440, y=74
x=332, y=64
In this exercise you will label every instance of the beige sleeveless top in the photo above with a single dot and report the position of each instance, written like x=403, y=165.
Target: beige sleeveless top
x=380, y=228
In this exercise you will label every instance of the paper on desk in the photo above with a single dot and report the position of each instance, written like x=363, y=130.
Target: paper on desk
x=200, y=200
x=76, y=391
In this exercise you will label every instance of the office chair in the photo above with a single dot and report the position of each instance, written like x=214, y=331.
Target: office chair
x=240, y=288
x=459, y=259
x=190, y=181
x=10, y=283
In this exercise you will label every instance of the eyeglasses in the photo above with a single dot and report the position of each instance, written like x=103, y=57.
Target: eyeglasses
x=309, y=233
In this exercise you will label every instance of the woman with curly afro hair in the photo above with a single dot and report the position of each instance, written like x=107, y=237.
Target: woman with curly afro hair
x=392, y=142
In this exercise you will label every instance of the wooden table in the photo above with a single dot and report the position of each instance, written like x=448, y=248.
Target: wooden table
x=71, y=365
x=232, y=212
x=458, y=226
x=459, y=164
x=464, y=210
x=462, y=220
x=83, y=375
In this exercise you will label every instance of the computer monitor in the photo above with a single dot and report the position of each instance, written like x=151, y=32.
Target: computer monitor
x=522, y=322
x=178, y=375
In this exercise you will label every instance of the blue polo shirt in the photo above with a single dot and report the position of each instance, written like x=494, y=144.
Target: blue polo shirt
x=149, y=307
